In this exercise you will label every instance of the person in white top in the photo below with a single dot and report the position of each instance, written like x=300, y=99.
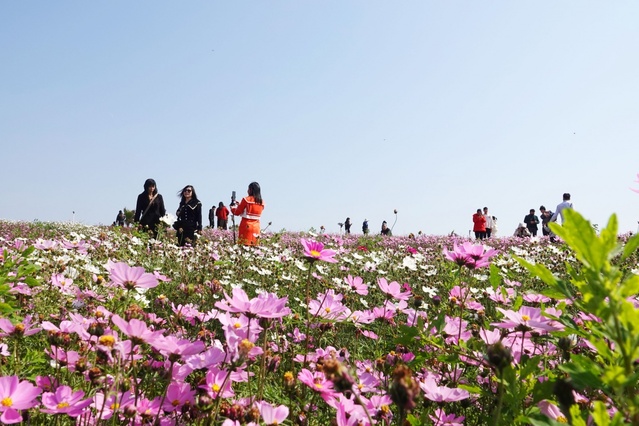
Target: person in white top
x=489, y=223
x=559, y=211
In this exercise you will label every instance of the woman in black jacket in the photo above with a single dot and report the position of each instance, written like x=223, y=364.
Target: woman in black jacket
x=149, y=208
x=189, y=216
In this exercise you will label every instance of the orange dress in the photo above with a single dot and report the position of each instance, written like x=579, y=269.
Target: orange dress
x=249, y=229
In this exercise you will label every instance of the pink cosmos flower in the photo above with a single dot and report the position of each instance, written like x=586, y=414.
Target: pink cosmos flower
x=442, y=393
x=137, y=330
x=317, y=381
x=175, y=348
x=527, y=317
x=16, y=395
x=471, y=255
x=130, y=277
x=23, y=328
x=357, y=285
x=442, y=419
x=329, y=306
x=217, y=384
x=65, y=401
x=273, y=415
x=178, y=394
x=314, y=250
x=393, y=290
x=263, y=306
x=112, y=403
x=549, y=409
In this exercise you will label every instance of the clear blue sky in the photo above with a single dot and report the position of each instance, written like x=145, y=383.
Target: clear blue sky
x=337, y=108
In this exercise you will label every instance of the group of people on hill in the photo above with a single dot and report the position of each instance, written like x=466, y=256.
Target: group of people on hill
x=365, y=229
x=150, y=209
x=530, y=226
x=484, y=225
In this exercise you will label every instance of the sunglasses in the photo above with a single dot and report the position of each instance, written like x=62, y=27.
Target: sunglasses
x=188, y=190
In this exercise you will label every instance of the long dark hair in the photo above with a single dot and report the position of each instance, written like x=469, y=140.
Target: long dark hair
x=149, y=183
x=193, y=194
x=255, y=191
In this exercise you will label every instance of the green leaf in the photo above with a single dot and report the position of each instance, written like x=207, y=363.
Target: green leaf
x=494, y=277
x=600, y=414
x=631, y=246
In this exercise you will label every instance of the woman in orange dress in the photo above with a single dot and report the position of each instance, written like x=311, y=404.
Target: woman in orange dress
x=250, y=208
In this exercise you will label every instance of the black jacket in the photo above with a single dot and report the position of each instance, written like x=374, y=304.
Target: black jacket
x=152, y=216
x=189, y=215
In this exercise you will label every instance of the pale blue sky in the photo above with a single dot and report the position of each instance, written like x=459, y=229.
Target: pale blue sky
x=338, y=108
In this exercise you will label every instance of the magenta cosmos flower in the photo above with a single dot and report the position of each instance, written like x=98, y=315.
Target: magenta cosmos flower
x=393, y=289
x=130, y=277
x=314, y=250
x=16, y=395
x=527, y=318
x=24, y=328
x=65, y=401
x=471, y=255
x=265, y=305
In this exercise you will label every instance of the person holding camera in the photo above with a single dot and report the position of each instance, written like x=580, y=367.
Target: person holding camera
x=250, y=209
x=189, y=216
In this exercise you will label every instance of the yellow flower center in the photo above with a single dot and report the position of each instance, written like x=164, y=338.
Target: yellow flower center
x=562, y=419
x=525, y=317
x=63, y=405
x=114, y=406
x=175, y=402
x=6, y=402
x=328, y=310
x=215, y=387
x=315, y=253
x=107, y=340
x=237, y=325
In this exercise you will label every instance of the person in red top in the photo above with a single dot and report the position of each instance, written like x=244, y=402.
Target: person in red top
x=222, y=214
x=479, y=225
x=250, y=208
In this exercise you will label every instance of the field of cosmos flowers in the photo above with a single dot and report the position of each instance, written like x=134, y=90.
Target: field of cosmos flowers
x=104, y=326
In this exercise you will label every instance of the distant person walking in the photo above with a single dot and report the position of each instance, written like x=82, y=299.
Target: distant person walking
x=149, y=208
x=490, y=223
x=119, y=220
x=365, y=227
x=559, y=211
x=545, y=220
x=189, y=216
x=212, y=217
x=531, y=221
x=347, y=225
x=222, y=214
x=250, y=208
x=479, y=225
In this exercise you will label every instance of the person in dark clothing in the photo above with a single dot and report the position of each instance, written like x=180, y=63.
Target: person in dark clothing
x=189, y=216
x=347, y=225
x=212, y=217
x=149, y=208
x=385, y=229
x=365, y=227
x=119, y=220
x=545, y=220
x=531, y=221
